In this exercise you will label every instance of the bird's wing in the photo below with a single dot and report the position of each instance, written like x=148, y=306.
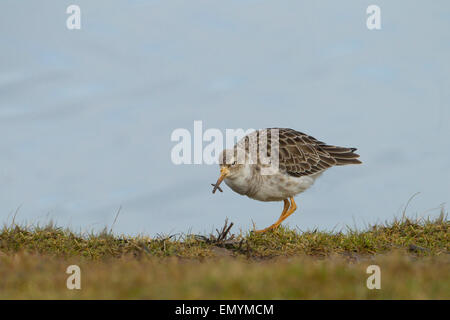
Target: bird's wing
x=302, y=155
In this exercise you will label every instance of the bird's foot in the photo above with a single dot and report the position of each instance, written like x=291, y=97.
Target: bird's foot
x=271, y=228
x=287, y=211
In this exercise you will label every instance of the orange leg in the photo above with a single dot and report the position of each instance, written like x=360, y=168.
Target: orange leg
x=286, y=213
x=286, y=207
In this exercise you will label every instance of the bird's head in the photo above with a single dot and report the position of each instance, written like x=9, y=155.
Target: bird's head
x=230, y=166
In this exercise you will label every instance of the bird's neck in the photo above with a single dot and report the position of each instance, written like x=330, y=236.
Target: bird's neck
x=246, y=183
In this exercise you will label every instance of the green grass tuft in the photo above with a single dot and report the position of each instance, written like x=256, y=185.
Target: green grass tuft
x=413, y=256
x=423, y=237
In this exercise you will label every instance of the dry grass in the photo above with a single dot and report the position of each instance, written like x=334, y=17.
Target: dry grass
x=413, y=257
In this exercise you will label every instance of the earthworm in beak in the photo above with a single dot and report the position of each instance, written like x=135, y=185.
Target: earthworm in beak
x=223, y=173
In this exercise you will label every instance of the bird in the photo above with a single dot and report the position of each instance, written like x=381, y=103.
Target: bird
x=253, y=169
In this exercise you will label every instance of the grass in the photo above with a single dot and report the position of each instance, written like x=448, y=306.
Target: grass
x=413, y=256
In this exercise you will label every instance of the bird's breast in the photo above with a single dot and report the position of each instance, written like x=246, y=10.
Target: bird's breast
x=281, y=186
x=240, y=185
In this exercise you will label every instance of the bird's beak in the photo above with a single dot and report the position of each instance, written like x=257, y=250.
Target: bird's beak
x=224, y=172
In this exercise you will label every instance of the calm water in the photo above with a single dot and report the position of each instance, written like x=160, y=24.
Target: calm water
x=86, y=115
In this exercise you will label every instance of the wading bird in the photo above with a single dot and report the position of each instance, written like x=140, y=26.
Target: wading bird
x=252, y=167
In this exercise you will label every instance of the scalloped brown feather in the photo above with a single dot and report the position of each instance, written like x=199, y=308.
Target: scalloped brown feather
x=301, y=154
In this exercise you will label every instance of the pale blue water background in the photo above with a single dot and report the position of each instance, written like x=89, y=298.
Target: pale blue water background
x=86, y=116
